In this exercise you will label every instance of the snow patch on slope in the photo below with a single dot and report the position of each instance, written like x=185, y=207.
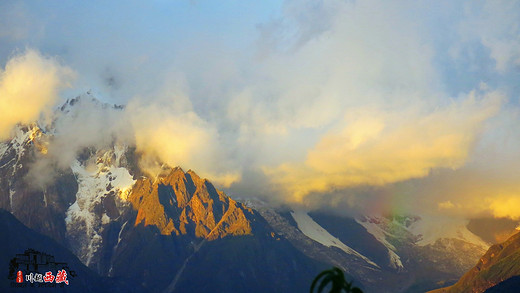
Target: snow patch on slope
x=395, y=260
x=317, y=233
x=419, y=230
x=19, y=138
x=3, y=148
x=119, y=151
x=373, y=228
x=121, y=181
x=11, y=193
x=430, y=229
x=93, y=187
x=22, y=137
x=252, y=202
x=17, y=143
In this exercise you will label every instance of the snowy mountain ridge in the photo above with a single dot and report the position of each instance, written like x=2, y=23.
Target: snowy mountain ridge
x=317, y=233
x=94, y=186
x=424, y=230
x=101, y=202
x=380, y=235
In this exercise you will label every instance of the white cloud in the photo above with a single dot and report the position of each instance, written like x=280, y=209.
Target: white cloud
x=374, y=147
x=29, y=84
x=496, y=25
x=341, y=102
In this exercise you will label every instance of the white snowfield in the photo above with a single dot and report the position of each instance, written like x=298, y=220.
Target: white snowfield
x=317, y=233
x=380, y=235
x=427, y=229
x=433, y=228
x=92, y=186
x=20, y=139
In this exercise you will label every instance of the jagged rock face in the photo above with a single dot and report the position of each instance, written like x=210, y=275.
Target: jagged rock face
x=152, y=233
x=408, y=264
x=499, y=263
x=126, y=225
x=160, y=232
x=40, y=208
x=446, y=255
x=452, y=256
x=103, y=186
x=81, y=202
x=184, y=228
x=183, y=203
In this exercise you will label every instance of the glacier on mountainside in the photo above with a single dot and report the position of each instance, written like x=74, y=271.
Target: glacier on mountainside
x=317, y=233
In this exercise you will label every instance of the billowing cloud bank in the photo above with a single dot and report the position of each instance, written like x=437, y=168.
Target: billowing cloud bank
x=29, y=84
x=374, y=147
x=174, y=134
x=360, y=105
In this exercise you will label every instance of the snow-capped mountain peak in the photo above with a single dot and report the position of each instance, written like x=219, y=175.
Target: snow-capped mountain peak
x=72, y=106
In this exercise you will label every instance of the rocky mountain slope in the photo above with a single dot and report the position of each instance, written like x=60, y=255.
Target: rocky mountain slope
x=168, y=232
x=404, y=262
x=499, y=263
x=154, y=233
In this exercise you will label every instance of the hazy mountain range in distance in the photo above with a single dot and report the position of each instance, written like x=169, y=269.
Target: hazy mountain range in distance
x=123, y=230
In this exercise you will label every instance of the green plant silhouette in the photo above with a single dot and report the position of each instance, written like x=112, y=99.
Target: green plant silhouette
x=337, y=278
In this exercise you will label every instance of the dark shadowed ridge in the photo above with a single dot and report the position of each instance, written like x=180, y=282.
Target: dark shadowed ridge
x=510, y=285
x=16, y=238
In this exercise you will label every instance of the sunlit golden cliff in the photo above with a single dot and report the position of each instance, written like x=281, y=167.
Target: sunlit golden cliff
x=183, y=203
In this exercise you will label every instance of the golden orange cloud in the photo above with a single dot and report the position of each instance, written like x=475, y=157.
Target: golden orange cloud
x=505, y=206
x=376, y=147
x=29, y=85
x=178, y=139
